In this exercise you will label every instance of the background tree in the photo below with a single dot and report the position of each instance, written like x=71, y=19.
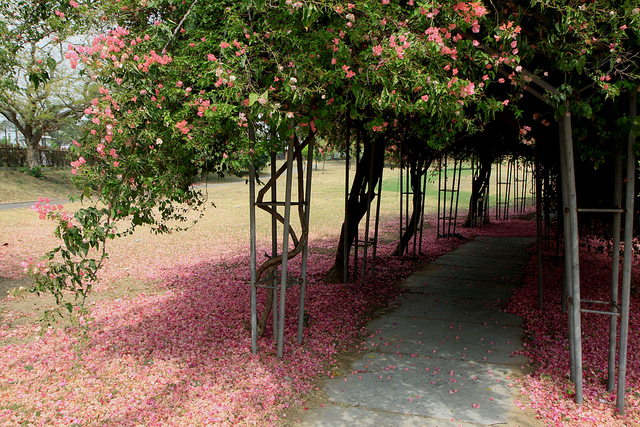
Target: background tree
x=39, y=92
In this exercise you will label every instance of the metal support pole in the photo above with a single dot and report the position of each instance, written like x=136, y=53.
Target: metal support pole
x=615, y=271
x=628, y=258
x=252, y=219
x=285, y=243
x=574, y=242
x=305, y=249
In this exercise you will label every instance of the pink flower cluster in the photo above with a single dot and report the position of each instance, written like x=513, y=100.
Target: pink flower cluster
x=47, y=210
x=43, y=207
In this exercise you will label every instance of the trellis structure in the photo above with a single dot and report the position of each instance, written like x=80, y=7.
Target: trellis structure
x=503, y=188
x=407, y=193
x=273, y=274
x=370, y=239
x=448, y=195
x=619, y=301
x=521, y=181
x=479, y=207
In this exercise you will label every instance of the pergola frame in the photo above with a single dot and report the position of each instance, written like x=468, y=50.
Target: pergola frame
x=619, y=304
x=406, y=191
x=448, y=221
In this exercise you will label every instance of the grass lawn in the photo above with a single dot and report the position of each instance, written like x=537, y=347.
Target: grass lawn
x=17, y=186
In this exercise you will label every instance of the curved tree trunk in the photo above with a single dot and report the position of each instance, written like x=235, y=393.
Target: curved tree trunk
x=478, y=189
x=417, y=168
x=358, y=203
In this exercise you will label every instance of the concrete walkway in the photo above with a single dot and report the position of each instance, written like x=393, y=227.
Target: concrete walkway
x=443, y=354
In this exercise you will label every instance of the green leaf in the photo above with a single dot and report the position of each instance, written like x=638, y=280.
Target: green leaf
x=310, y=15
x=35, y=79
x=51, y=63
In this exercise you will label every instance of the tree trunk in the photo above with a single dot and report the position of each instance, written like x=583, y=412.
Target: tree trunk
x=417, y=169
x=357, y=203
x=478, y=189
x=32, y=142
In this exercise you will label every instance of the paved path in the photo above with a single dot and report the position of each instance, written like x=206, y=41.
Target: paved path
x=22, y=205
x=443, y=354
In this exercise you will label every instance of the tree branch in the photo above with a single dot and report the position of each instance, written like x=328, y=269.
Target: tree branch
x=164, y=49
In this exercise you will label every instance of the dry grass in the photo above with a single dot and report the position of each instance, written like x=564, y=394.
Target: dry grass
x=17, y=186
x=224, y=226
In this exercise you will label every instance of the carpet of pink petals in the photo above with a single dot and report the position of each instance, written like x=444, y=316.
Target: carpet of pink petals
x=549, y=390
x=179, y=354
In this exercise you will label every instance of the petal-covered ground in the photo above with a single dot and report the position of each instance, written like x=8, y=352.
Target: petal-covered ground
x=549, y=389
x=178, y=353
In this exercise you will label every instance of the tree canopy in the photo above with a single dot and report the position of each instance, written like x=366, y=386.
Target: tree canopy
x=39, y=93
x=181, y=83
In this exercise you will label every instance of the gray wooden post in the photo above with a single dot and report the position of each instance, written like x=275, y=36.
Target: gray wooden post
x=305, y=250
x=574, y=242
x=566, y=279
x=615, y=272
x=628, y=258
